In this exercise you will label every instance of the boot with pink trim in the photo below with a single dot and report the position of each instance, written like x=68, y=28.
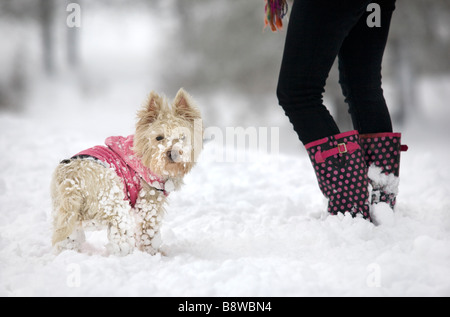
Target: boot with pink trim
x=341, y=171
x=382, y=156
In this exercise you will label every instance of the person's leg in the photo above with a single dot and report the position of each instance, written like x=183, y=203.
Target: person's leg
x=316, y=31
x=360, y=59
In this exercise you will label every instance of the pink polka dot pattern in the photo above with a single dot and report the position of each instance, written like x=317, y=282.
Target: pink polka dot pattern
x=383, y=150
x=342, y=177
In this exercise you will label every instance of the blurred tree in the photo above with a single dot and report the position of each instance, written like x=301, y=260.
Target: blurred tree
x=46, y=20
x=14, y=15
x=419, y=45
x=73, y=9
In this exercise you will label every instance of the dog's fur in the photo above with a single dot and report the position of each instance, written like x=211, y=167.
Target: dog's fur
x=87, y=194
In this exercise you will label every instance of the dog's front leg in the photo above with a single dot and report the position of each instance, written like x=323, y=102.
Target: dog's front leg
x=149, y=212
x=120, y=229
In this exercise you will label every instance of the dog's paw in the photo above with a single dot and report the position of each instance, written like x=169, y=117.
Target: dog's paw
x=153, y=251
x=149, y=249
x=121, y=249
x=73, y=242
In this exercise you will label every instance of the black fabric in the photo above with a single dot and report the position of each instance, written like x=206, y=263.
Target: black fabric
x=79, y=157
x=318, y=32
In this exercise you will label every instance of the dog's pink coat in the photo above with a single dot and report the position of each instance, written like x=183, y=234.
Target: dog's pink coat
x=118, y=154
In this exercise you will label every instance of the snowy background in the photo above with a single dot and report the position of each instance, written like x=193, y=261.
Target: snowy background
x=256, y=228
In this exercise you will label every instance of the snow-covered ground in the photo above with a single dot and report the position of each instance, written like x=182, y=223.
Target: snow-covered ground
x=257, y=228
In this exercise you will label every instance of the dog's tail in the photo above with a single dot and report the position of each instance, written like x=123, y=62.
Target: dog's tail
x=67, y=203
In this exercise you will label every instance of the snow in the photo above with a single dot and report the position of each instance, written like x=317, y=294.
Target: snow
x=257, y=228
x=389, y=182
x=382, y=215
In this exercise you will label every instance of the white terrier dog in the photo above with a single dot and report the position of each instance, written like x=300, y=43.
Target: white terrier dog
x=123, y=186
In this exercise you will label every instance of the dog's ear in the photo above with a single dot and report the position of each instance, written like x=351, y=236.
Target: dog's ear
x=151, y=109
x=185, y=107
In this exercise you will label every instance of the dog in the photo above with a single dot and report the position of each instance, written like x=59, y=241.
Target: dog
x=124, y=185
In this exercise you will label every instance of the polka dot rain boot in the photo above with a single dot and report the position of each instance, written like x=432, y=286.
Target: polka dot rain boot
x=342, y=173
x=382, y=156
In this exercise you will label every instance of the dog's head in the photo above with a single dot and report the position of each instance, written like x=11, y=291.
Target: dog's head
x=168, y=138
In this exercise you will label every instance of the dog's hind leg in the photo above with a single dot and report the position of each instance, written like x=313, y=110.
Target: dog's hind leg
x=67, y=203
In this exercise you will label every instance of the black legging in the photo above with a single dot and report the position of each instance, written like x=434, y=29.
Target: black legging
x=318, y=31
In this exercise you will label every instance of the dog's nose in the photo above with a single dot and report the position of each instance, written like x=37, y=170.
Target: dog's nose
x=175, y=155
x=169, y=156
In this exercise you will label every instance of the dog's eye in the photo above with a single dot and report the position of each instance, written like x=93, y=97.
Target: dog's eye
x=159, y=138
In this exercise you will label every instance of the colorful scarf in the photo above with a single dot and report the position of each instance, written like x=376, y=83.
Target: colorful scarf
x=275, y=12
